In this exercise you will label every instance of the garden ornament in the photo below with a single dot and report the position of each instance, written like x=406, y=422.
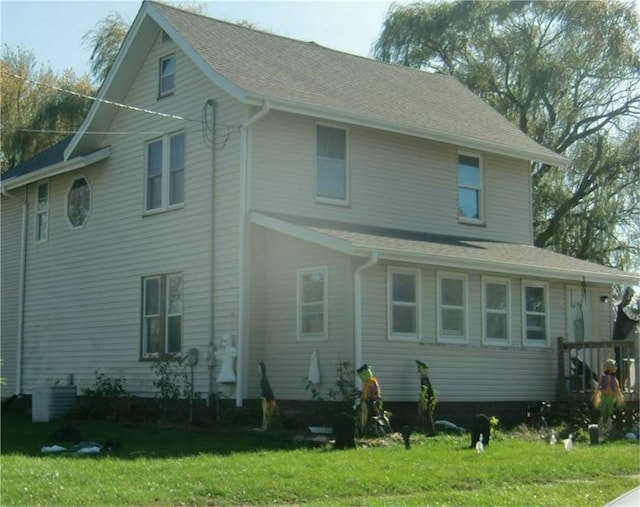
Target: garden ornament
x=608, y=394
x=427, y=399
x=370, y=407
x=227, y=353
x=269, y=405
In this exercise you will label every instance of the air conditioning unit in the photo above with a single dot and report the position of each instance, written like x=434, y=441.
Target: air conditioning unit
x=52, y=402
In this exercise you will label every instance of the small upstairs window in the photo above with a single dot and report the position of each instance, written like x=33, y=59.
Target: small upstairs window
x=42, y=212
x=470, y=207
x=167, y=75
x=164, y=172
x=331, y=164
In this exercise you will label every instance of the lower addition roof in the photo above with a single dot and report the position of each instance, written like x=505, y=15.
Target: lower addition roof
x=441, y=250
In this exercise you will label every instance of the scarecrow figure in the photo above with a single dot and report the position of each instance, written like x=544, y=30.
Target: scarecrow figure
x=269, y=405
x=427, y=400
x=608, y=394
x=370, y=403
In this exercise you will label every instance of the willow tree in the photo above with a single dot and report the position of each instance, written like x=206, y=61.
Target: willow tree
x=568, y=75
x=38, y=107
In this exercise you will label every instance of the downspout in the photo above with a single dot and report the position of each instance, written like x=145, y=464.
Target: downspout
x=357, y=311
x=243, y=247
x=21, y=284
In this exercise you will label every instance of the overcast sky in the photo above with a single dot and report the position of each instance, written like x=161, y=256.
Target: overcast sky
x=53, y=29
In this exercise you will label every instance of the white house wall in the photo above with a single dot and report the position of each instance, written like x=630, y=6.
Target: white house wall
x=396, y=181
x=10, y=248
x=83, y=286
x=274, y=315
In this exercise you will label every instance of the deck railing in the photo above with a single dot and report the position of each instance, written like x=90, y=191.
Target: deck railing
x=580, y=365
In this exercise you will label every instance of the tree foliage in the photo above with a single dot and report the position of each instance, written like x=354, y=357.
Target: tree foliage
x=36, y=107
x=567, y=74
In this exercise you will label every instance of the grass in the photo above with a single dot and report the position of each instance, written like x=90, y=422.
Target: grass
x=183, y=466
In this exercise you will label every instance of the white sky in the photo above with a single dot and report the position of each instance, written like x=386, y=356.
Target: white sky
x=53, y=29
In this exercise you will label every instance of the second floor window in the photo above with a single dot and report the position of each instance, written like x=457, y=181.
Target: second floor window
x=470, y=188
x=165, y=166
x=42, y=212
x=167, y=75
x=331, y=164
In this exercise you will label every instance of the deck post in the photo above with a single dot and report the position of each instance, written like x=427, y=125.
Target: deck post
x=560, y=385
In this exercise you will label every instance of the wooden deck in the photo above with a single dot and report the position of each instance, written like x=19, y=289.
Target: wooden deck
x=580, y=365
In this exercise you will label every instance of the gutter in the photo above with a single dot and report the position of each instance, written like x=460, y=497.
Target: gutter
x=55, y=169
x=244, y=248
x=21, y=287
x=357, y=310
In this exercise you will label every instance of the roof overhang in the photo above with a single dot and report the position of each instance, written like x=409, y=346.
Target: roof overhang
x=453, y=261
x=62, y=167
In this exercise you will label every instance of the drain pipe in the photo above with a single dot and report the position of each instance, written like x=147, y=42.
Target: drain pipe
x=357, y=292
x=244, y=249
x=21, y=283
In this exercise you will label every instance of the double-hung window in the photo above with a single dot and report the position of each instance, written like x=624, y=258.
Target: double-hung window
x=331, y=164
x=496, y=311
x=162, y=297
x=164, y=172
x=403, y=311
x=535, y=313
x=42, y=212
x=470, y=198
x=452, y=307
x=312, y=303
x=167, y=75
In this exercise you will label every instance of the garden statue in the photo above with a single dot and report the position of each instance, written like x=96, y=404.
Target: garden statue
x=608, y=394
x=227, y=353
x=370, y=407
x=427, y=400
x=269, y=405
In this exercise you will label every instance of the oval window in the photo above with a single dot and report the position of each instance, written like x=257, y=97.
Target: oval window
x=78, y=202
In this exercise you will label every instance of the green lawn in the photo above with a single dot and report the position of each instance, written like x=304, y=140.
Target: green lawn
x=182, y=466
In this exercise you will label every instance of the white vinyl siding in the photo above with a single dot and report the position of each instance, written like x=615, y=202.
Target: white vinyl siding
x=165, y=172
x=312, y=303
x=332, y=178
x=535, y=313
x=496, y=311
x=403, y=310
x=394, y=181
x=42, y=212
x=452, y=308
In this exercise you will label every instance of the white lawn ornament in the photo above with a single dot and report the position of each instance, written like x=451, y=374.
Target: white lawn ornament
x=479, y=444
x=554, y=438
x=568, y=443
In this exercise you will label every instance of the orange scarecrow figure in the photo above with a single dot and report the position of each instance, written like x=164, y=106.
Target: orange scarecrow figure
x=371, y=402
x=608, y=394
x=269, y=405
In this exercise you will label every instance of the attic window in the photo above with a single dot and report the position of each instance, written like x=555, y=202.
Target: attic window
x=165, y=37
x=167, y=74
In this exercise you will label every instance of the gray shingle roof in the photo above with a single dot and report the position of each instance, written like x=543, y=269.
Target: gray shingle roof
x=452, y=251
x=288, y=71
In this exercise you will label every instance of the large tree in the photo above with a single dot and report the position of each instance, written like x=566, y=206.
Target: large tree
x=38, y=108
x=568, y=75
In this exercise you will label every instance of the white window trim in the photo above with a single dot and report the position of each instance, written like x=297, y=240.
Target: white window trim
x=324, y=335
x=42, y=212
x=481, y=204
x=166, y=174
x=394, y=336
x=166, y=93
x=498, y=281
x=443, y=338
x=347, y=139
x=525, y=341
x=66, y=202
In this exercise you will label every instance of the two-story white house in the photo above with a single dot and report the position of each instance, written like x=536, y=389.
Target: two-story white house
x=299, y=201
